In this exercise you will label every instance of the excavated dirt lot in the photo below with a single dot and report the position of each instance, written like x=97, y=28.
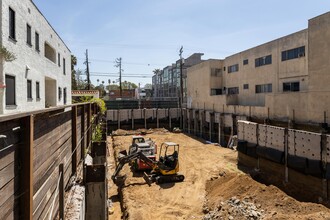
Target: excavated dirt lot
x=214, y=187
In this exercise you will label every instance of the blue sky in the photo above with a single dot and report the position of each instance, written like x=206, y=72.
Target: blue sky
x=148, y=34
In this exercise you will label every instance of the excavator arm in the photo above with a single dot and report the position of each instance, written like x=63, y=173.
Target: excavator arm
x=126, y=159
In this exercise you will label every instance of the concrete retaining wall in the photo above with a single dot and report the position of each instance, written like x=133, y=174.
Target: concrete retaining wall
x=295, y=156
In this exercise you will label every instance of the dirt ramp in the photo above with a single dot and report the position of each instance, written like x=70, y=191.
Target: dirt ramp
x=238, y=196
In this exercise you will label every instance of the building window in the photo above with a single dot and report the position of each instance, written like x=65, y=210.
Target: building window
x=265, y=88
x=64, y=95
x=216, y=72
x=50, y=53
x=246, y=86
x=12, y=28
x=64, y=66
x=233, y=68
x=28, y=35
x=59, y=59
x=37, y=42
x=37, y=91
x=291, y=87
x=29, y=90
x=10, y=90
x=59, y=93
x=224, y=68
x=263, y=61
x=245, y=62
x=293, y=53
x=216, y=91
x=233, y=90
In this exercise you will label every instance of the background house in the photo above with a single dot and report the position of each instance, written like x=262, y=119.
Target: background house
x=40, y=76
x=166, y=83
x=287, y=78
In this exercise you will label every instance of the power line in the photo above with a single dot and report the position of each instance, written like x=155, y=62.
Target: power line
x=129, y=63
x=122, y=76
x=108, y=73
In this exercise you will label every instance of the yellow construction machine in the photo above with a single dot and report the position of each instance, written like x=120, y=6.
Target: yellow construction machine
x=165, y=170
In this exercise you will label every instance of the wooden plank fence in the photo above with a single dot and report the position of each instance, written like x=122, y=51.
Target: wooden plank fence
x=39, y=152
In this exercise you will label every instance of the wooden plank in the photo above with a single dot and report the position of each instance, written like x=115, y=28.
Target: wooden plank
x=46, y=125
x=89, y=119
x=5, y=118
x=9, y=125
x=82, y=134
x=74, y=139
x=43, y=195
x=9, y=190
x=8, y=156
x=51, y=138
x=9, y=136
x=46, y=204
x=9, y=210
x=7, y=174
x=48, y=208
x=27, y=168
x=61, y=189
x=42, y=173
x=67, y=173
x=78, y=156
x=49, y=149
x=51, y=128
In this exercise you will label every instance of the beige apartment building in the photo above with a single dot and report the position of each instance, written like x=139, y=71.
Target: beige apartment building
x=285, y=79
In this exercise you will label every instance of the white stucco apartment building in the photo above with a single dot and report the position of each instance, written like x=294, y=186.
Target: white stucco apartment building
x=40, y=76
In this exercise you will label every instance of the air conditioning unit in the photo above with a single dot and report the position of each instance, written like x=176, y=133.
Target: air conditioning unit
x=301, y=54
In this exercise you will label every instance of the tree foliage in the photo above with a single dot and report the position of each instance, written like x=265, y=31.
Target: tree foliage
x=128, y=85
x=6, y=55
x=112, y=87
x=157, y=71
x=148, y=86
x=74, y=85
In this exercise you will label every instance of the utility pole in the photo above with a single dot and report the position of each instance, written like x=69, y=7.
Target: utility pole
x=87, y=71
x=118, y=64
x=139, y=93
x=181, y=79
x=181, y=87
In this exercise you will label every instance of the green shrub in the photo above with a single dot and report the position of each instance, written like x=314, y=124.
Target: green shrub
x=97, y=134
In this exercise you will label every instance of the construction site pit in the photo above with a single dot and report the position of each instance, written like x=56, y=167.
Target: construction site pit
x=215, y=187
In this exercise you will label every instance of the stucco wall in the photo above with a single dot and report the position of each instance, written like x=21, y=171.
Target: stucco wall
x=40, y=67
x=200, y=82
x=319, y=53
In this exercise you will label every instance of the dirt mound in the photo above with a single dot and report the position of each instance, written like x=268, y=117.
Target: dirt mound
x=121, y=132
x=238, y=196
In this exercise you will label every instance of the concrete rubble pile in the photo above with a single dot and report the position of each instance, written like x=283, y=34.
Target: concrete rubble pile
x=234, y=208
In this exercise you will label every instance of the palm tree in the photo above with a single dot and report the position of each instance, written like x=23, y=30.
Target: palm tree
x=73, y=72
x=157, y=71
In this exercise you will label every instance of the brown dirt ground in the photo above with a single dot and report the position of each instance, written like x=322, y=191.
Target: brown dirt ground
x=212, y=178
